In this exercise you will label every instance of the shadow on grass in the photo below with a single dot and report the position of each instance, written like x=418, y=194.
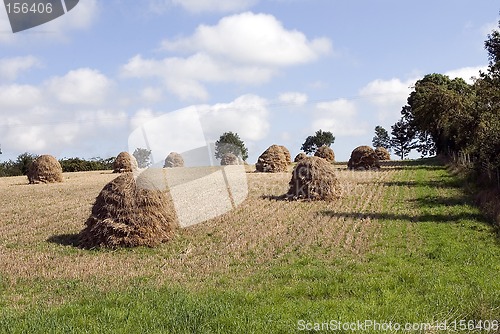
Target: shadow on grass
x=434, y=218
x=434, y=201
x=449, y=182
x=64, y=239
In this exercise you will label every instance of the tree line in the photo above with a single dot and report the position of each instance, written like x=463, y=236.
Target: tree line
x=21, y=164
x=445, y=116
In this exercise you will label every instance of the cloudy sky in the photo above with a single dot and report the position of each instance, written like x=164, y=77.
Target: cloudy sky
x=273, y=71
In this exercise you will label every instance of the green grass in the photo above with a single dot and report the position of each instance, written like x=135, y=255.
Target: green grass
x=436, y=259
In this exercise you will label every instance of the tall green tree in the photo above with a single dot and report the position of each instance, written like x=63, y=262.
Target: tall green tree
x=486, y=139
x=442, y=109
x=143, y=157
x=381, y=138
x=320, y=138
x=230, y=142
x=403, y=138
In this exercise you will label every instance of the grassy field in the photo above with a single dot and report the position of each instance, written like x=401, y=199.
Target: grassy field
x=403, y=245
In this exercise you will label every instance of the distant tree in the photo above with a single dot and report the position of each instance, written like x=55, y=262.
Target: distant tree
x=143, y=157
x=403, y=138
x=320, y=138
x=24, y=162
x=230, y=142
x=381, y=138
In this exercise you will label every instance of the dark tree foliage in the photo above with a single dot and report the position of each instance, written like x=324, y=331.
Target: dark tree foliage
x=143, y=157
x=230, y=142
x=441, y=108
x=82, y=165
x=320, y=138
x=24, y=162
x=381, y=138
x=403, y=138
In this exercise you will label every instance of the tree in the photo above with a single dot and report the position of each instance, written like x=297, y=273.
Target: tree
x=320, y=138
x=442, y=109
x=486, y=138
x=403, y=138
x=381, y=138
x=24, y=161
x=230, y=142
x=143, y=157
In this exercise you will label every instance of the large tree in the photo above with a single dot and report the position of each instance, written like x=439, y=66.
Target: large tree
x=486, y=138
x=381, y=138
x=442, y=109
x=320, y=138
x=230, y=142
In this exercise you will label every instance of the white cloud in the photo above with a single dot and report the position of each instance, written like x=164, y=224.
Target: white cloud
x=81, y=86
x=19, y=96
x=247, y=115
x=249, y=38
x=386, y=93
x=142, y=116
x=151, y=94
x=184, y=77
x=199, y=6
x=295, y=98
x=339, y=117
x=244, y=49
x=10, y=68
x=466, y=73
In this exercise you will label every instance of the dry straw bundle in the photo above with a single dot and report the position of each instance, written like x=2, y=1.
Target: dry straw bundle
x=300, y=156
x=45, y=169
x=326, y=153
x=314, y=178
x=288, y=157
x=382, y=153
x=128, y=215
x=229, y=159
x=273, y=160
x=124, y=163
x=174, y=159
x=363, y=157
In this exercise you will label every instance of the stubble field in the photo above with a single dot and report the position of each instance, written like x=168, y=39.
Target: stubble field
x=403, y=244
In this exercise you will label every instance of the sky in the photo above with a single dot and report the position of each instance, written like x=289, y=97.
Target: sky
x=273, y=71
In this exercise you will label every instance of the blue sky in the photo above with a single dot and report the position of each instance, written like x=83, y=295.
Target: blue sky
x=272, y=70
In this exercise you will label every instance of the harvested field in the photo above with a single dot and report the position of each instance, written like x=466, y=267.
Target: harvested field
x=397, y=231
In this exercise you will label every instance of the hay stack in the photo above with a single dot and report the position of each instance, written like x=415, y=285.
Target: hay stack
x=229, y=159
x=127, y=215
x=363, y=157
x=288, y=156
x=174, y=159
x=299, y=157
x=313, y=178
x=45, y=169
x=326, y=153
x=125, y=162
x=382, y=153
x=273, y=160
